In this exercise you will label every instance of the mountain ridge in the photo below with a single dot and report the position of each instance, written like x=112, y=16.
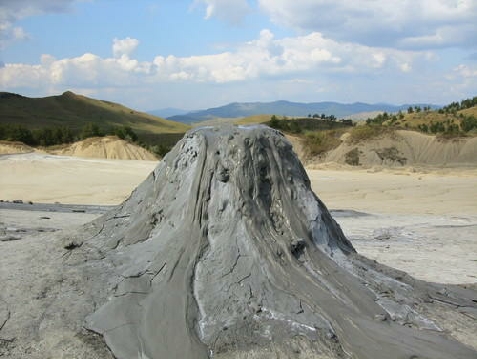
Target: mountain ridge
x=289, y=108
x=74, y=110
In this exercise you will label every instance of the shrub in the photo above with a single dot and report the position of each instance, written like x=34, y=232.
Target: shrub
x=352, y=157
x=423, y=128
x=17, y=133
x=317, y=143
x=125, y=133
x=468, y=123
x=160, y=150
x=91, y=130
x=380, y=119
x=274, y=123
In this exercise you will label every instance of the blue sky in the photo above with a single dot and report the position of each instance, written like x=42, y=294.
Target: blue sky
x=193, y=54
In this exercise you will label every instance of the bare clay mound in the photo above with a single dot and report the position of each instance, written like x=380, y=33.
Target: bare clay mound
x=406, y=148
x=109, y=147
x=9, y=147
x=225, y=252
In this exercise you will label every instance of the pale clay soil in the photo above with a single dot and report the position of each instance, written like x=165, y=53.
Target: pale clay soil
x=421, y=221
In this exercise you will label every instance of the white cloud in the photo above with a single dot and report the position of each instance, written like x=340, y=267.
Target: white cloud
x=404, y=23
x=466, y=71
x=379, y=58
x=405, y=67
x=312, y=64
x=265, y=57
x=124, y=47
x=14, y=76
x=461, y=81
x=19, y=34
x=232, y=11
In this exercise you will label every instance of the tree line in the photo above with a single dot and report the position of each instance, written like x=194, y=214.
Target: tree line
x=449, y=126
x=57, y=135
x=453, y=107
x=310, y=123
x=454, y=124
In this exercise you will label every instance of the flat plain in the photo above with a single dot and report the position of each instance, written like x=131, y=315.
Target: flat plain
x=420, y=220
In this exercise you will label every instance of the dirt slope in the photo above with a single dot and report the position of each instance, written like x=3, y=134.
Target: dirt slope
x=8, y=147
x=106, y=147
x=405, y=148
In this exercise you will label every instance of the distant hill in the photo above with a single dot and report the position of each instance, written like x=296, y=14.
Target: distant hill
x=288, y=108
x=168, y=112
x=74, y=111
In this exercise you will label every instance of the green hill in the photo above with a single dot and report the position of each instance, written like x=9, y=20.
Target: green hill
x=75, y=111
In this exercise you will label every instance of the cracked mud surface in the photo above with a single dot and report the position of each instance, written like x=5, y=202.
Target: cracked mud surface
x=224, y=251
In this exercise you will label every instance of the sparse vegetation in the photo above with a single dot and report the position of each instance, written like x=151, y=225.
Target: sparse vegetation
x=368, y=132
x=159, y=143
x=390, y=154
x=320, y=133
x=319, y=142
x=468, y=124
x=454, y=120
x=352, y=157
x=456, y=106
x=126, y=133
x=159, y=150
x=302, y=125
x=449, y=125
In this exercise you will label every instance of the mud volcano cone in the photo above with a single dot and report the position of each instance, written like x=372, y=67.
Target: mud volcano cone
x=225, y=252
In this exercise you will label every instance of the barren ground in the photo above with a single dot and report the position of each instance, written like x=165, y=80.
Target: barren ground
x=422, y=221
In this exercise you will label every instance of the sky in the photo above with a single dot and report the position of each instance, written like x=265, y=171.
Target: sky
x=196, y=54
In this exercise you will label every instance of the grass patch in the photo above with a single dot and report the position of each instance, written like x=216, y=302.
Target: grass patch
x=75, y=111
x=368, y=132
x=319, y=142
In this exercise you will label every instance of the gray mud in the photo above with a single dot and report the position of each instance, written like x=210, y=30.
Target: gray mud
x=22, y=220
x=224, y=251
x=55, y=207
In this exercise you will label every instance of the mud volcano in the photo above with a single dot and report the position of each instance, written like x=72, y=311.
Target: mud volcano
x=225, y=252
